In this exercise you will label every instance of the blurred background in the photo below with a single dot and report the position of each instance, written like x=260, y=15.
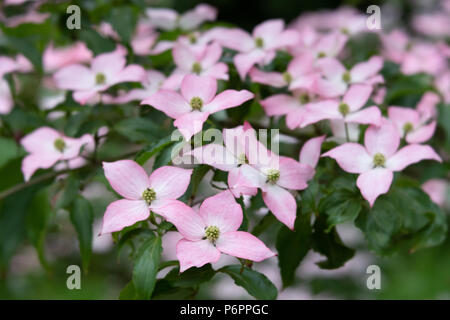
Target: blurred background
x=420, y=275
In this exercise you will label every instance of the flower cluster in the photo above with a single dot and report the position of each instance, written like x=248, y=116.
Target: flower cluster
x=299, y=78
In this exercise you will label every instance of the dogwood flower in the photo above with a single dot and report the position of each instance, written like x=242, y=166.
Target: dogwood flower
x=294, y=106
x=168, y=19
x=196, y=102
x=46, y=147
x=213, y=231
x=376, y=161
x=144, y=41
x=275, y=175
x=142, y=193
x=204, y=63
x=348, y=110
x=336, y=78
x=300, y=74
x=416, y=126
x=106, y=70
x=259, y=47
x=320, y=45
x=57, y=58
x=17, y=64
x=153, y=81
x=228, y=158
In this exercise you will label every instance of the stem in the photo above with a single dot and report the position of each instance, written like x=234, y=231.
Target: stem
x=52, y=175
x=347, y=135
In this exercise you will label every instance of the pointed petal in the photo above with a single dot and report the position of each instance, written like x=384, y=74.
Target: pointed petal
x=294, y=175
x=127, y=178
x=245, y=61
x=282, y=204
x=169, y=102
x=374, y=183
x=411, y=154
x=369, y=115
x=274, y=79
x=310, y=152
x=191, y=123
x=422, y=134
x=357, y=96
x=188, y=222
x=170, y=182
x=183, y=57
x=41, y=140
x=216, y=156
x=280, y=104
x=222, y=211
x=75, y=77
x=351, y=157
x=32, y=162
x=317, y=111
x=123, y=213
x=228, y=99
x=364, y=70
x=197, y=86
x=212, y=55
x=383, y=139
x=196, y=253
x=243, y=245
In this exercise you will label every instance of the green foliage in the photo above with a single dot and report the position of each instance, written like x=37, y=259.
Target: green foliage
x=81, y=216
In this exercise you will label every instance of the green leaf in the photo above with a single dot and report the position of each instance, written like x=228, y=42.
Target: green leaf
x=72, y=185
x=156, y=147
x=329, y=244
x=95, y=42
x=190, y=278
x=256, y=284
x=292, y=246
x=340, y=206
x=146, y=267
x=138, y=129
x=39, y=212
x=128, y=292
x=10, y=150
x=123, y=19
x=82, y=217
x=404, y=219
x=196, y=178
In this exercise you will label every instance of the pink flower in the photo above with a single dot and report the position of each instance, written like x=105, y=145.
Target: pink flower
x=153, y=81
x=336, y=79
x=46, y=147
x=294, y=106
x=144, y=41
x=19, y=64
x=212, y=231
x=300, y=74
x=442, y=82
x=435, y=24
x=204, y=63
x=142, y=193
x=348, y=110
x=56, y=58
x=168, y=19
x=378, y=159
x=341, y=129
x=437, y=190
x=106, y=70
x=319, y=45
x=228, y=158
x=259, y=47
x=6, y=100
x=196, y=102
x=310, y=152
x=275, y=175
x=416, y=126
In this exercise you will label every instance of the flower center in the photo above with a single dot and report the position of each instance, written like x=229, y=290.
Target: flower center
x=100, y=78
x=287, y=77
x=196, y=103
x=59, y=144
x=192, y=38
x=408, y=127
x=304, y=98
x=259, y=42
x=196, y=68
x=321, y=54
x=273, y=175
x=344, y=109
x=242, y=159
x=379, y=160
x=346, y=77
x=345, y=31
x=149, y=195
x=212, y=233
